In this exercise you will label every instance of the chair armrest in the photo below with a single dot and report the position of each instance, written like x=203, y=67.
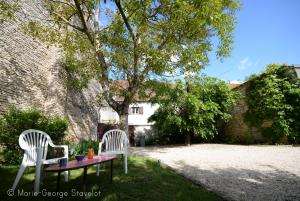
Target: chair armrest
x=126, y=142
x=100, y=148
x=65, y=147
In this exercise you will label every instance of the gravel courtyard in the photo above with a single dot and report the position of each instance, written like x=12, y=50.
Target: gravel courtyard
x=235, y=172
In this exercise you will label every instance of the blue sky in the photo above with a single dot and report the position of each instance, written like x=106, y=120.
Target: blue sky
x=267, y=31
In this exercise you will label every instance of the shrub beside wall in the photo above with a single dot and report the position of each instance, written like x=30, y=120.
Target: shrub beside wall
x=15, y=121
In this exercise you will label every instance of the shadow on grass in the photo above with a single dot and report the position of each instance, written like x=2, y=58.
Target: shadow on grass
x=146, y=180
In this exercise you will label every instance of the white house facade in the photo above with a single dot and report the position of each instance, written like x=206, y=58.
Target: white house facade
x=138, y=115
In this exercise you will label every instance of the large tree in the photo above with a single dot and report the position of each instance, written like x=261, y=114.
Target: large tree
x=194, y=107
x=136, y=41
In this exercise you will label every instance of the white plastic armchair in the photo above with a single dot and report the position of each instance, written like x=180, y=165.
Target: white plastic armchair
x=35, y=145
x=115, y=142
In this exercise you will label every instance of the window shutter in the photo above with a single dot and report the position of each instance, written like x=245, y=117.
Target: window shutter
x=141, y=110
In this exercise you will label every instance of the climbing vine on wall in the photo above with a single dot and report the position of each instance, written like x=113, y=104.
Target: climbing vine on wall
x=273, y=98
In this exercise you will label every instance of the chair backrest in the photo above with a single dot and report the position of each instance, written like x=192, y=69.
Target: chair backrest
x=115, y=141
x=31, y=139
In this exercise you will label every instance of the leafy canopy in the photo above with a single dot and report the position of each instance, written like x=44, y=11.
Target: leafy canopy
x=7, y=10
x=136, y=41
x=274, y=102
x=193, y=107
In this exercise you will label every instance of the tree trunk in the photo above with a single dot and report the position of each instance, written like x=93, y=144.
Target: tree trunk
x=187, y=139
x=124, y=120
x=188, y=134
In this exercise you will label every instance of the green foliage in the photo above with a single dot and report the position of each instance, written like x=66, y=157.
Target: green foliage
x=166, y=29
x=7, y=10
x=15, y=121
x=82, y=147
x=274, y=103
x=193, y=108
x=55, y=128
x=137, y=41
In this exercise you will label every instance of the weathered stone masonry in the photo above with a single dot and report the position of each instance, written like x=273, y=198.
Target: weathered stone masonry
x=236, y=128
x=31, y=75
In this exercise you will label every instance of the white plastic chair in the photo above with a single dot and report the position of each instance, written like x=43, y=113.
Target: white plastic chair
x=115, y=142
x=35, y=144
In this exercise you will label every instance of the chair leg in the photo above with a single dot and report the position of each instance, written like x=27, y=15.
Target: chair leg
x=37, y=178
x=97, y=170
x=122, y=156
x=66, y=173
x=125, y=165
x=19, y=175
x=38, y=168
x=42, y=173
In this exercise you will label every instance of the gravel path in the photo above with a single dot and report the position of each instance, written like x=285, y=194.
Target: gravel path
x=235, y=172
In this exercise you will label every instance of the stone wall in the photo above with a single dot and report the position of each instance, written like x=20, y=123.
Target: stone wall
x=31, y=75
x=237, y=130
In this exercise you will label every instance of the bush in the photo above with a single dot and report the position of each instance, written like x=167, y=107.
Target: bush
x=55, y=128
x=15, y=121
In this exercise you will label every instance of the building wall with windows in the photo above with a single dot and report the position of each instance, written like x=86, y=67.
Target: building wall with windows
x=107, y=115
x=140, y=112
x=138, y=115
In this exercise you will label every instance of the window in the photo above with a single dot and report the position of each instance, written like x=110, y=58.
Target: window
x=135, y=110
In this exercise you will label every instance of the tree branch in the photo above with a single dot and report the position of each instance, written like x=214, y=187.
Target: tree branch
x=155, y=11
x=64, y=2
x=104, y=78
x=148, y=67
x=68, y=22
x=145, y=72
x=85, y=28
x=164, y=42
x=104, y=71
x=125, y=19
x=135, y=39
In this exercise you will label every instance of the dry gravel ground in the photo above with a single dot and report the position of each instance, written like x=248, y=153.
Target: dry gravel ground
x=235, y=172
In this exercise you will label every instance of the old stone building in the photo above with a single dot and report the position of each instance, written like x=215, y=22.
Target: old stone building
x=236, y=129
x=31, y=75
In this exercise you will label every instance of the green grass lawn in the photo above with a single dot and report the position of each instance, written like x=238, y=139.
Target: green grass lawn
x=146, y=180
